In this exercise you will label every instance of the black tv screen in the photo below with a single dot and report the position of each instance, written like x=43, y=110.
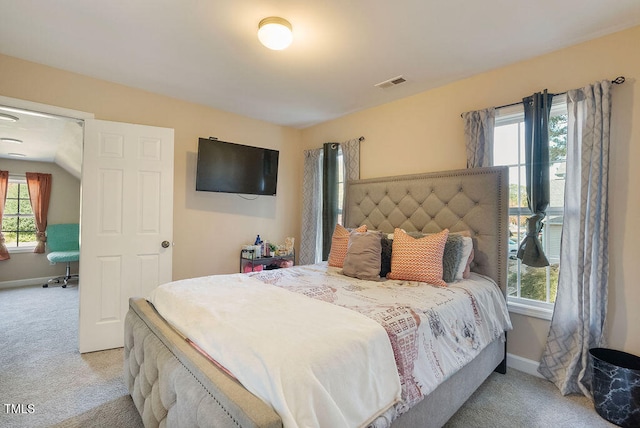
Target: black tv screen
x=236, y=168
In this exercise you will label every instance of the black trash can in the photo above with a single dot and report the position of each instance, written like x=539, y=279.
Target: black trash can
x=616, y=386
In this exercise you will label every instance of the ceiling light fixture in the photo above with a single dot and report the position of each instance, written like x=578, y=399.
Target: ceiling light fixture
x=8, y=117
x=275, y=33
x=11, y=140
x=17, y=155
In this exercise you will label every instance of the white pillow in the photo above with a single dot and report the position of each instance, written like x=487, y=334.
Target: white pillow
x=467, y=246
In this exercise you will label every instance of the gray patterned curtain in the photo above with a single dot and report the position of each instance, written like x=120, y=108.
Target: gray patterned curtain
x=320, y=195
x=351, y=159
x=581, y=304
x=310, y=242
x=478, y=134
x=536, y=154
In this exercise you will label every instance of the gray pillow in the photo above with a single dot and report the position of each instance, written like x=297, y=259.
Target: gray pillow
x=363, y=256
x=385, y=258
x=452, y=257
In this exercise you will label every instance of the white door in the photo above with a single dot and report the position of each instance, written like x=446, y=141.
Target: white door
x=126, y=231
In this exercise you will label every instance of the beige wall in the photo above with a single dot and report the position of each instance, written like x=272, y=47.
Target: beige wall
x=425, y=133
x=64, y=207
x=209, y=228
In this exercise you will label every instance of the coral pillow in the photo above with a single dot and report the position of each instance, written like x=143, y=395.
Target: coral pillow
x=339, y=243
x=418, y=259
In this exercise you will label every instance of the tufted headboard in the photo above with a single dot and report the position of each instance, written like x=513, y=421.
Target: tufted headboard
x=475, y=200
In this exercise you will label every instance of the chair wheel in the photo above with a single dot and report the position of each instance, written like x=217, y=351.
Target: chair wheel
x=64, y=286
x=45, y=285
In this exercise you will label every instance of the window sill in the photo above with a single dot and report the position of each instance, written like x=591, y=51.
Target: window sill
x=530, y=311
x=19, y=250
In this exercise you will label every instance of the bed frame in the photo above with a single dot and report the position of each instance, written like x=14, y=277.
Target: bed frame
x=174, y=385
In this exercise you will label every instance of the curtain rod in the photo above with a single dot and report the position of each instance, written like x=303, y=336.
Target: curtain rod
x=360, y=140
x=617, y=81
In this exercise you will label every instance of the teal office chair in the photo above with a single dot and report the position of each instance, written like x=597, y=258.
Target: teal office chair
x=63, y=242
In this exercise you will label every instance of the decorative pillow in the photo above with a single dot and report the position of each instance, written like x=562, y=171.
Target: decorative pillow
x=363, y=256
x=467, y=258
x=339, y=242
x=452, y=257
x=457, y=257
x=467, y=271
x=386, y=244
x=418, y=259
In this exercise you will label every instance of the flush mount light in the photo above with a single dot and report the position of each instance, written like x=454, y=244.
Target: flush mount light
x=11, y=140
x=17, y=155
x=275, y=33
x=8, y=117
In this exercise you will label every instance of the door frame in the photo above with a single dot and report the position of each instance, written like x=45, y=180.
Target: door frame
x=54, y=111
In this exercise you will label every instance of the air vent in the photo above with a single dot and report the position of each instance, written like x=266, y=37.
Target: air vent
x=391, y=82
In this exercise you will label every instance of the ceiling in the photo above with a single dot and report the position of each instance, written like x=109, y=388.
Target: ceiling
x=41, y=138
x=207, y=52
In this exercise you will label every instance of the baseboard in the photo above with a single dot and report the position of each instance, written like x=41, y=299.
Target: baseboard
x=24, y=282
x=523, y=364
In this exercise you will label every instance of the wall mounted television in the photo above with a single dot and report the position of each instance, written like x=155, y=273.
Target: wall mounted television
x=235, y=168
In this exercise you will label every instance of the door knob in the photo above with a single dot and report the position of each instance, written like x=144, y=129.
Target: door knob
x=165, y=244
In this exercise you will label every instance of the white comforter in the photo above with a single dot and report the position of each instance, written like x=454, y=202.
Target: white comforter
x=282, y=348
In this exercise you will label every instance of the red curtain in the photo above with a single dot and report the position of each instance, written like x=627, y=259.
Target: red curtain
x=4, y=184
x=39, y=186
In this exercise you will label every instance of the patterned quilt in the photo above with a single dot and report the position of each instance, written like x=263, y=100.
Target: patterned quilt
x=434, y=331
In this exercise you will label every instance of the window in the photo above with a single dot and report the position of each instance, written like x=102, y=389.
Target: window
x=18, y=222
x=532, y=291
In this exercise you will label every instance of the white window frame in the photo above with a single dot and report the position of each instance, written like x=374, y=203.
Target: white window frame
x=24, y=248
x=516, y=304
x=341, y=185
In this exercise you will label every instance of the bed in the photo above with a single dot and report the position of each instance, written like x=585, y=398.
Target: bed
x=174, y=384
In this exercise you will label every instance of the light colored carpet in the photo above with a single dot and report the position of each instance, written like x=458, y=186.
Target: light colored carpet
x=518, y=399
x=41, y=366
